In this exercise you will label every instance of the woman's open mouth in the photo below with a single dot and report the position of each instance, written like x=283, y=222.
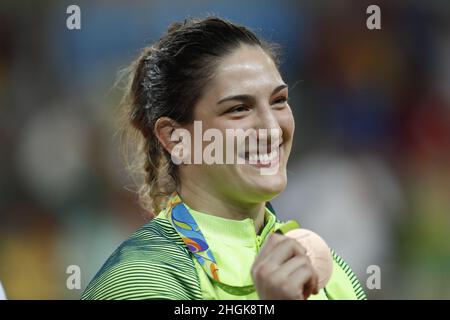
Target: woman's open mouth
x=261, y=160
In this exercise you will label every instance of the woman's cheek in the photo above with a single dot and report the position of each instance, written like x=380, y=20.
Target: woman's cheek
x=287, y=124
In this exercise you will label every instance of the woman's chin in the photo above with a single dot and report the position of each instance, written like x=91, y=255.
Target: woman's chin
x=265, y=188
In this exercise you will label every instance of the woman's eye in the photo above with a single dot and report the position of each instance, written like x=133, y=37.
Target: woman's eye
x=241, y=108
x=280, y=100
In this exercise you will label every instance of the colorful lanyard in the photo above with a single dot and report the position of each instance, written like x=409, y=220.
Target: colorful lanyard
x=189, y=231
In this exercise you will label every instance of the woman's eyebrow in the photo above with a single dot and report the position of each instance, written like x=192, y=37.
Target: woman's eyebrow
x=279, y=88
x=247, y=97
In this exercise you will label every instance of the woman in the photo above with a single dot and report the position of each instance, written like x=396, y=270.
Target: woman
x=213, y=236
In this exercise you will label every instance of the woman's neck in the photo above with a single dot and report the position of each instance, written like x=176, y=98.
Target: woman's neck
x=201, y=200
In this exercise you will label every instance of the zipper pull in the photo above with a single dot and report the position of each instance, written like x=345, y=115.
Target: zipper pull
x=258, y=242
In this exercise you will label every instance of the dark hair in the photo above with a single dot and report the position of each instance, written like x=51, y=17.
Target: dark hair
x=166, y=81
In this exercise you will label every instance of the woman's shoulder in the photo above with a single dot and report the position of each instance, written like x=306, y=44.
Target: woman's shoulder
x=152, y=263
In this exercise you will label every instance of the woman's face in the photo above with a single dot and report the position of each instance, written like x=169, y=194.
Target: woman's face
x=246, y=92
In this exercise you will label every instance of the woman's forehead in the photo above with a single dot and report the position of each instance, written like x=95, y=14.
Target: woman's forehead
x=246, y=69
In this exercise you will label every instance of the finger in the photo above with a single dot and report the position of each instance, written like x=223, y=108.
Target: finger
x=272, y=240
x=283, y=275
x=307, y=289
x=311, y=286
x=281, y=252
x=293, y=287
x=303, y=280
x=316, y=283
x=292, y=265
x=271, y=267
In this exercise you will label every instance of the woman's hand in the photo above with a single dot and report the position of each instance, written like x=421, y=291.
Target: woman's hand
x=283, y=271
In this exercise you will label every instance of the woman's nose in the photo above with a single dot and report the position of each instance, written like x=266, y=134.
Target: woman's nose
x=268, y=121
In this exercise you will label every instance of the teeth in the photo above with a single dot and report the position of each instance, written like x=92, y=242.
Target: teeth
x=263, y=158
x=273, y=155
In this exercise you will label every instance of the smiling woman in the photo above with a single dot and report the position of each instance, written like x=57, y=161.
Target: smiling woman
x=214, y=234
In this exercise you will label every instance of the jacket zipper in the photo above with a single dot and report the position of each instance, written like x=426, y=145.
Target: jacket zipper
x=258, y=243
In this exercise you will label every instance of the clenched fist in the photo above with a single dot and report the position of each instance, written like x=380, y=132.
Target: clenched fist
x=282, y=271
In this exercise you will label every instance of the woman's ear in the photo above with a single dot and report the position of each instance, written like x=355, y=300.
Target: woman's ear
x=164, y=128
x=174, y=139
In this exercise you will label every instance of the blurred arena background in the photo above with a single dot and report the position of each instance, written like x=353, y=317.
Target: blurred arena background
x=370, y=168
